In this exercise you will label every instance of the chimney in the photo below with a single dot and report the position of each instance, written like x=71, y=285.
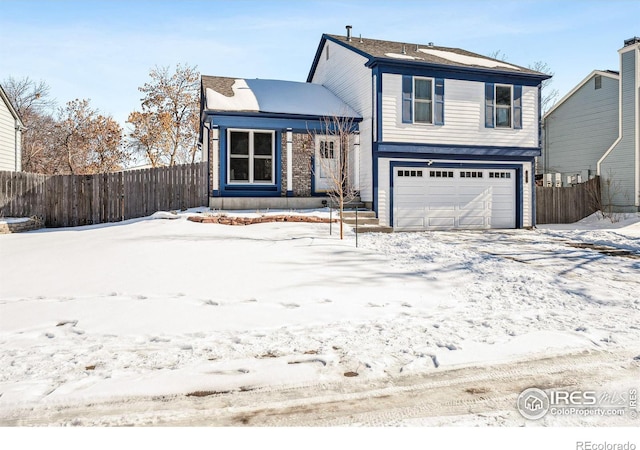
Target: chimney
x=349, y=32
x=633, y=40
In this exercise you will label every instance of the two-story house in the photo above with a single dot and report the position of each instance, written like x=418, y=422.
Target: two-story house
x=446, y=138
x=11, y=127
x=595, y=130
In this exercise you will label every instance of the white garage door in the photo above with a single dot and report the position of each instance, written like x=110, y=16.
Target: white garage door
x=426, y=198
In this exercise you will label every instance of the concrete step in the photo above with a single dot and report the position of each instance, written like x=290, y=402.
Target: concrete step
x=373, y=229
x=361, y=214
x=362, y=220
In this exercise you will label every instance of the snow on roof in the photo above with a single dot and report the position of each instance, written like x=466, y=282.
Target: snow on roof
x=467, y=59
x=278, y=96
x=399, y=56
x=243, y=98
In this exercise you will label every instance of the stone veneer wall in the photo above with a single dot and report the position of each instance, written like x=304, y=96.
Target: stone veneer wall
x=19, y=227
x=302, y=150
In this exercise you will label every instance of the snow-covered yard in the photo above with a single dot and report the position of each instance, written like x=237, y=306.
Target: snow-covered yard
x=159, y=307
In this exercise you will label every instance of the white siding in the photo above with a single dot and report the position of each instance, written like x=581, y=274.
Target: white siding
x=345, y=75
x=463, y=117
x=7, y=138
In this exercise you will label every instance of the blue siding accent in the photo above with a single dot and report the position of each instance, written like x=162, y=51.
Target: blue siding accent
x=489, y=105
x=518, y=181
x=392, y=147
x=266, y=122
x=407, y=99
x=438, y=114
x=457, y=73
x=517, y=107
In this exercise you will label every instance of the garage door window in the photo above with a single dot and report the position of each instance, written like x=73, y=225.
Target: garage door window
x=440, y=174
x=470, y=174
x=499, y=175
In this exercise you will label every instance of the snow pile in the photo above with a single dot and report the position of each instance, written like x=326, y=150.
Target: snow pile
x=158, y=307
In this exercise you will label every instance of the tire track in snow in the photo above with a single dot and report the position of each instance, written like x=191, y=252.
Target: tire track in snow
x=468, y=390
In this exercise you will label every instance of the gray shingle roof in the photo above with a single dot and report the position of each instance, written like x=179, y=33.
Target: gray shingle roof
x=405, y=51
x=272, y=96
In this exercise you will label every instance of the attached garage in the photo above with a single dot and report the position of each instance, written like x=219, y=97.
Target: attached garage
x=431, y=198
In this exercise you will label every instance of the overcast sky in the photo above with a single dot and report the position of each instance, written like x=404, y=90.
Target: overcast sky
x=103, y=50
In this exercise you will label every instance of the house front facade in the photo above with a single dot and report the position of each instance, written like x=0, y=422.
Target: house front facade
x=595, y=130
x=11, y=127
x=446, y=138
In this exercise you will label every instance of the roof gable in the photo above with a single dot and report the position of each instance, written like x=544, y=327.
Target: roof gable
x=605, y=73
x=10, y=107
x=427, y=54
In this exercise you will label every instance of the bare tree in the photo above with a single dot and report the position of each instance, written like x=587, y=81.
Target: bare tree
x=88, y=142
x=165, y=131
x=548, y=95
x=35, y=106
x=602, y=195
x=333, y=157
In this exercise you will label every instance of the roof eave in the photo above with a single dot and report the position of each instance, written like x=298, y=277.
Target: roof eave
x=274, y=115
x=454, y=68
x=11, y=108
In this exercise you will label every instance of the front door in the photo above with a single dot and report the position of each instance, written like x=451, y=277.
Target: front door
x=327, y=163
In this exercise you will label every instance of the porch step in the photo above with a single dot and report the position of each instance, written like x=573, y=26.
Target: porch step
x=373, y=229
x=367, y=221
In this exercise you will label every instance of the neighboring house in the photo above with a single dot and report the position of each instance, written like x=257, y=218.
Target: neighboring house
x=579, y=128
x=595, y=130
x=447, y=138
x=11, y=127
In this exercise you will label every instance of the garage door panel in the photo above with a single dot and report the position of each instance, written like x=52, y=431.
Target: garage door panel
x=472, y=222
x=465, y=198
x=441, y=222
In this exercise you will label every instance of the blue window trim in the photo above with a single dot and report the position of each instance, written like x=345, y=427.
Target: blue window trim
x=517, y=107
x=490, y=108
x=408, y=99
x=463, y=165
x=250, y=190
x=438, y=102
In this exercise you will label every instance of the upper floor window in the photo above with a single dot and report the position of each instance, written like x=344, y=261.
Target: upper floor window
x=503, y=106
x=422, y=100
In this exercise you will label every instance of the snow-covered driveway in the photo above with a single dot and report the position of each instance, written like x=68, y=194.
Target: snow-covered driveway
x=170, y=307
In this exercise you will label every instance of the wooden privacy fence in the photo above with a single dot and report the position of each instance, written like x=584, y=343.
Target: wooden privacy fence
x=72, y=200
x=567, y=204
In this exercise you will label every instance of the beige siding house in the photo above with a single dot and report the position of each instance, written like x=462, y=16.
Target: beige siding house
x=11, y=127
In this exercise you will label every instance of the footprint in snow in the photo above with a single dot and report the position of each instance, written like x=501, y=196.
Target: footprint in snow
x=211, y=303
x=290, y=305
